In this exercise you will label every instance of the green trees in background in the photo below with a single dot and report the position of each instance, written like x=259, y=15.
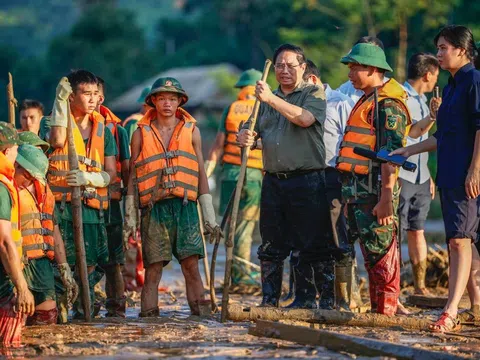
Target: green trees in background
x=126, y=42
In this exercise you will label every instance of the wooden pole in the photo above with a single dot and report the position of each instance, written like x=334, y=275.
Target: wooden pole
x=333, y=317
x=12, y=102
x=206, y=265
x=81, y=260
x=236, y=202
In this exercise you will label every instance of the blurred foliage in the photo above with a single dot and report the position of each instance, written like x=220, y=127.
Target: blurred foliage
x=127, y=42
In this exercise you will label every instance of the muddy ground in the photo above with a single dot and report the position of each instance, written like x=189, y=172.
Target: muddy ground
x=177, y=335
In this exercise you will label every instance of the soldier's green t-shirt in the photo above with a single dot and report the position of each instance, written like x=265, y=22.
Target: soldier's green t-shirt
x=114, y=211
x=89, y=215
x=130, y=127
x=6, y=286
x=230, y=172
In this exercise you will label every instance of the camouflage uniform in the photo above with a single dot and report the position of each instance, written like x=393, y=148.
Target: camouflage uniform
x=376, y=240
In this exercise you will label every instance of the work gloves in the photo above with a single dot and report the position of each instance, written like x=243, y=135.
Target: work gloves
x=84, y=178
x=69, y=282
x=208, y=213
x=60, y=108
x=130, y=221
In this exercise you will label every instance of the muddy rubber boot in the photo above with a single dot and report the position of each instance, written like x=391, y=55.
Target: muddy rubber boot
x=342, y=298
x=111, y=306
x=62, y=305
x=419, y=272
x=121, y=306
x=305, y=291
x=324, y=275
x=291, y=286
x=272, y=273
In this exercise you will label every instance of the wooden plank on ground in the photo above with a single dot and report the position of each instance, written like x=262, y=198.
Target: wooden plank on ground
x=434, y=301
x=335, y=341
x=238, y=312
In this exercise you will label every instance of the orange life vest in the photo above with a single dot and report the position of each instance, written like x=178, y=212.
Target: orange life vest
x=360, y=130
x=112, y=121
x=7, y=178
x=238, y=113
x=161, y=171
x=36, y=215
x=91, y=158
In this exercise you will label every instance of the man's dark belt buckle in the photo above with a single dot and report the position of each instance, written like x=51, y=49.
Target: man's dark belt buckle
x=282, y=175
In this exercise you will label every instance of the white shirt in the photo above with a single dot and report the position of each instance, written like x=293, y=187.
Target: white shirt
x=417, y=104
x=339, y=107
x=347, y=89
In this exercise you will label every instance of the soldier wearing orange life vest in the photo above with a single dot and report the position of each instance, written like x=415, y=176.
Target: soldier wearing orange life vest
x=114, y=285
x=226, y=150
x=96, y=152
x=13, y=310
x=41, y=239
x=372, y=216
x=167, y=178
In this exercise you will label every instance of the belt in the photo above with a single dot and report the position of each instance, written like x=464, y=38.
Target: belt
x=290, y=174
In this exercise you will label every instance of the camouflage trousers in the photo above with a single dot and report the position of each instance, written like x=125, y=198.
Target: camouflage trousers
x=375, y=239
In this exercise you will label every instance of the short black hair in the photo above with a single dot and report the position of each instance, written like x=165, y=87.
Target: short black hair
x=289, y=47
x=420, y=64
x=311, y=69
x=31, y=104
x=101, y=84
x=77, y=77
x=370, y=40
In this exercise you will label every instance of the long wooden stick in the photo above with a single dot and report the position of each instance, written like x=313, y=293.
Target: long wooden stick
x=81, y=260
x=240, y=313
x=206, y=265
x=236, y=203
x=12, y=102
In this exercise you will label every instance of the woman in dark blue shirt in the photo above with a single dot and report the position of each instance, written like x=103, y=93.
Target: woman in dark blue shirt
x=457, y=141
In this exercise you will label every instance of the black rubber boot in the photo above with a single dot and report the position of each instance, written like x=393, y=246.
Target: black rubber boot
x=305, y=291
x=272, y=273
x=324, y=274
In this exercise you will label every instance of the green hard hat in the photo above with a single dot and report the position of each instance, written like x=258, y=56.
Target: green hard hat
x=248, y=77
x=34, y=161
x=28, y=137
x=167, y=84
x=143, y=95
x=367, y=54
x=8, y=136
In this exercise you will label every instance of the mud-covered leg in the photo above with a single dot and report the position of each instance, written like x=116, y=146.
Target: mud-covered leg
x=149, y=297
x=193, y=283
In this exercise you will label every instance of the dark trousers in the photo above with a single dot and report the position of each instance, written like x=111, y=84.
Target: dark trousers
x=344, y=249
x=294, y=215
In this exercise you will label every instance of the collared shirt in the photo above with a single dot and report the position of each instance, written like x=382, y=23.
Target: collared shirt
x=289, y=147
x=458, y=120
x=348, y=89
x=417, y=104
x=339, y=107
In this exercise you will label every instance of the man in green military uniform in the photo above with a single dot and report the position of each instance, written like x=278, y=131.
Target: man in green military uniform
x=11, y=323
x=114, y=284
x=98, y=170
x=226, y=150
x=372, y=207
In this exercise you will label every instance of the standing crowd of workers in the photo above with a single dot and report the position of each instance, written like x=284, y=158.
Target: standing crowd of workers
x=312, y=194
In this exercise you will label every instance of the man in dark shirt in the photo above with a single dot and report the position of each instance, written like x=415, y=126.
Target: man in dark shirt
x=293, y=210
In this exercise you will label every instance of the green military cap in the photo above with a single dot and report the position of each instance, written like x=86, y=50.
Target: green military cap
x=167, y=84
x=367, y=54
x=143, y=95
x=8, y=136
x=28, y=137
x=34, y=161
x=248, y=77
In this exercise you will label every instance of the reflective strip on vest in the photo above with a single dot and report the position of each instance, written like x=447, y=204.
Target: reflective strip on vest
x=166, y=155
x=170, y=185
x=83, y=159
x=44, y=246
x=168, y=171
x=42, y=232
x=36, y=216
